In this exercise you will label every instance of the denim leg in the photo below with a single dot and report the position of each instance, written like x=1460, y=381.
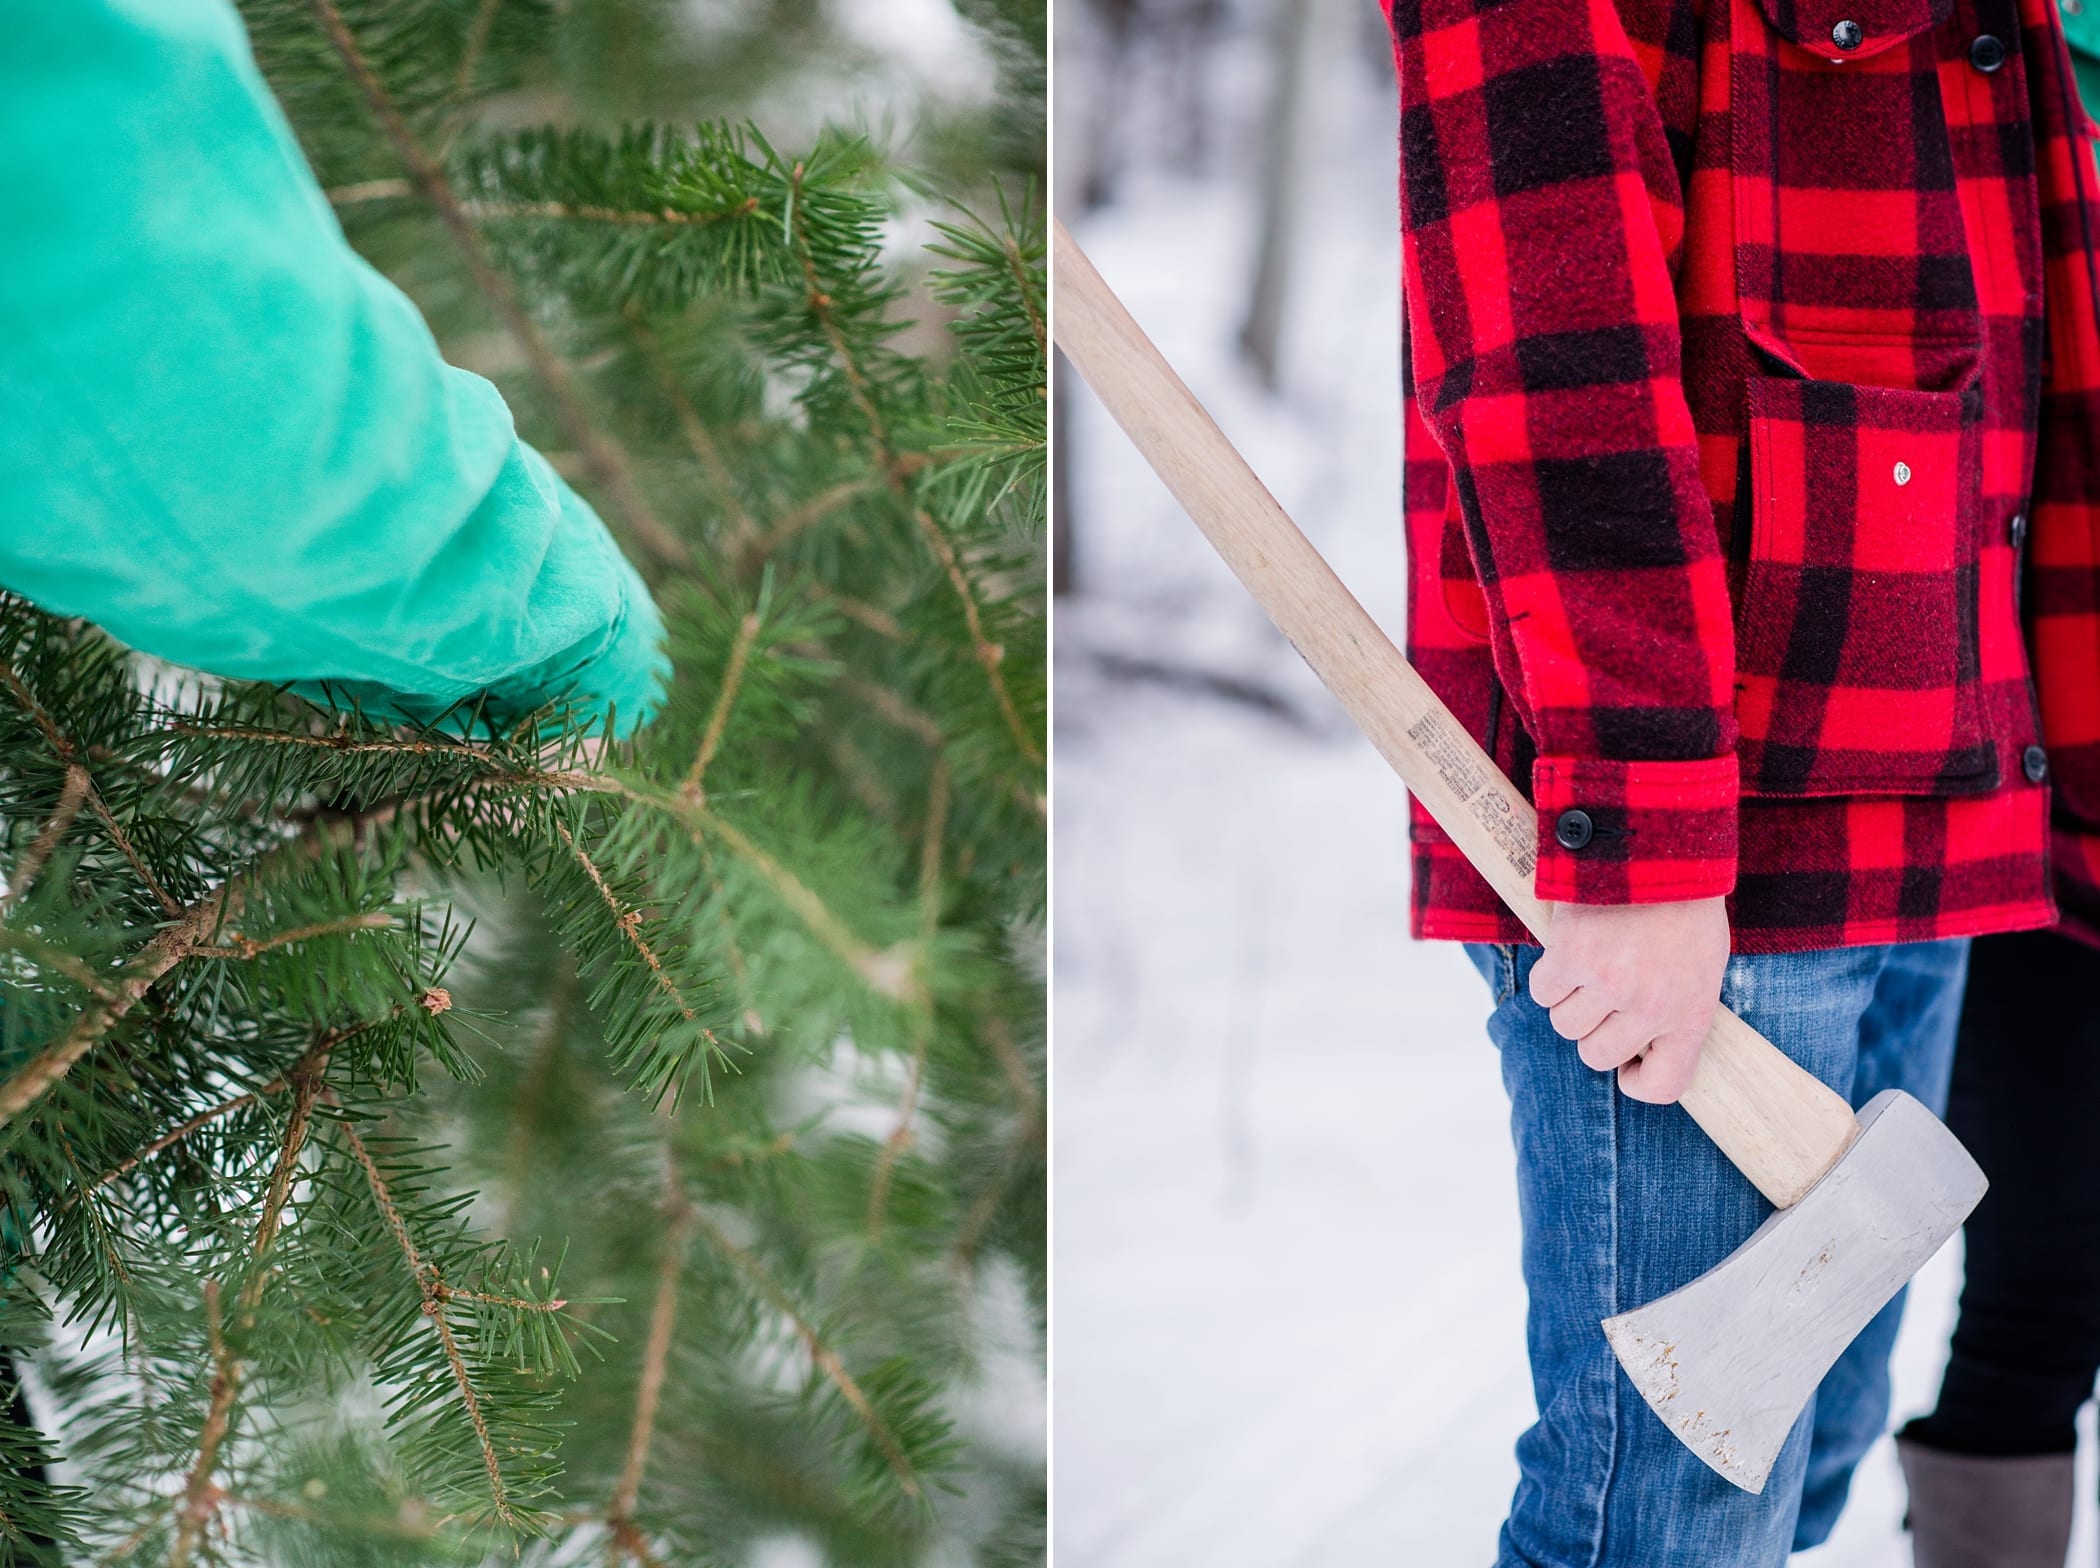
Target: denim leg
x=1622, y=1202
x=1906, y=1041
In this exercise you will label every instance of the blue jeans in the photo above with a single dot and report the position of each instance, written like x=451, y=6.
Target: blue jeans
x=1623, y=1202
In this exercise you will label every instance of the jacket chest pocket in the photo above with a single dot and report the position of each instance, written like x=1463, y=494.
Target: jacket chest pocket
x=1851, y=248
x=1856, y=643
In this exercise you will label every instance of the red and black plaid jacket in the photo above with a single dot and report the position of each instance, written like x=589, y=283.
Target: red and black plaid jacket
x=1753, y=453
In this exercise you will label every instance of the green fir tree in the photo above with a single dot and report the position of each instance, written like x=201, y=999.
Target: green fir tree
x=425, y=1149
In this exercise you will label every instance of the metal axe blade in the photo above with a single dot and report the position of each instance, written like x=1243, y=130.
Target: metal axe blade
x=1730, y=1360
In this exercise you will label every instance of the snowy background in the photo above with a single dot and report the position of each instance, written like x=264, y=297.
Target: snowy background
x=1288, y=1322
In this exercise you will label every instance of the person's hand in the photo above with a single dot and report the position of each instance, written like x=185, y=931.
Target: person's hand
x=1636, y=985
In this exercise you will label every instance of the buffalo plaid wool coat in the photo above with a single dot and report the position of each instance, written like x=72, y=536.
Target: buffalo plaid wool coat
x=1753, y=454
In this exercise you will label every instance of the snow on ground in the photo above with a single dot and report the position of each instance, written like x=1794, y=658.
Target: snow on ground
x=1288, y=1317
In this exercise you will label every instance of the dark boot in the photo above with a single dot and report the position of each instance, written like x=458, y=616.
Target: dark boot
x=1987, y=1513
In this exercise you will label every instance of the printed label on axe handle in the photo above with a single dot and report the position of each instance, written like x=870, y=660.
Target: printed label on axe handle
x=1465, y=778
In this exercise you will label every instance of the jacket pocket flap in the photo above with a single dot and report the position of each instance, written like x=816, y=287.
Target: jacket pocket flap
x=1874, y=25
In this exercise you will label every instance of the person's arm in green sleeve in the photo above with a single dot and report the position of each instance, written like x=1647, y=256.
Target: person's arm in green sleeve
x=227, y=439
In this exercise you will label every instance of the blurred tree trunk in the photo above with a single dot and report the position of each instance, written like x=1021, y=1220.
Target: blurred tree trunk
x=1261, y=333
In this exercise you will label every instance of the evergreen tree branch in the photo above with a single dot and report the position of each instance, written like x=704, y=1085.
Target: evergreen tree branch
x=434, y=1308
x=347, y=743
x=1025, y=287
x=72, y=796
x=862, y=776
x=989, y=654
x=172, y=945
x=176, y=1134
x=629, y=922
x=880, y=622
x=885, y=971
x=103, y=1239
x=785, y=529
x=821, y=1355
x=71, y=965
x=894, y=708
x=732, y=950
x=477, y=40
x=370, y=190
x=656, y=1354
x=308, y=1079
x=607, y=463
x=899, y=1140
x=1027, y=1136
x=532, y=1095
x=169, y=947
x=240, y=947
x=742, y=529
x=558, y=211
x=582, y=212
x=199, y=1495
x=822, y=308
x=1033, y=801
x=977, y=1223
x=725, y=699
x=69, y=754
x=324, y=1046
x=445, y=1292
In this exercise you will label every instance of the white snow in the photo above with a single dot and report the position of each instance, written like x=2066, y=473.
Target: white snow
x=1288, y=1321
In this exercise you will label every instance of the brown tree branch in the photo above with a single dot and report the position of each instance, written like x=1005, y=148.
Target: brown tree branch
x=1024, y=281
x=893, y=708
x=887, y=971
x=427, y=1285
x=238, y=946
x=880, y=622
x=176, y=1134
x=607, y=463
x=809, y=513
x=68, y=753
x=629, y=922
x=989, y=655
x=743, y=532
x=631, y=217
x=477, y=40
x=821, y=1355
x=1028, y=1134
x=900, y=1137
x=169, y=947
x=725, y=700
x=732, y=951
x=71, y=797
x=656, y=1357
x=199, y=1495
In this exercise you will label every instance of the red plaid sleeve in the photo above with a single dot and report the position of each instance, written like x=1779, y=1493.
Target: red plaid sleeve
x=1541, y=209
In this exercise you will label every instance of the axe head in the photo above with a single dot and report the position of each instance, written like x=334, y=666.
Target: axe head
x=1729, y=1361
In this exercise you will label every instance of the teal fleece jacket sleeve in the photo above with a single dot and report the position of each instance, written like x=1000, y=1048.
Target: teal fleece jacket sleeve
x=232, y=443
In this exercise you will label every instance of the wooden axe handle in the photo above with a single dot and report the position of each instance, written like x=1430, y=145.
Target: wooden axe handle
x=1780, y=1125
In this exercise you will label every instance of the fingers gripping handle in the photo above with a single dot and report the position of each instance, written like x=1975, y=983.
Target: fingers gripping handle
x=1777, y=1123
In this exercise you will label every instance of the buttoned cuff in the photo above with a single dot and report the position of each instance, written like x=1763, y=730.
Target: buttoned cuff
x=1634, y=832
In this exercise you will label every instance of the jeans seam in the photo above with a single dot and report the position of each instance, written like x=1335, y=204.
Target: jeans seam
x=1612, y=1401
